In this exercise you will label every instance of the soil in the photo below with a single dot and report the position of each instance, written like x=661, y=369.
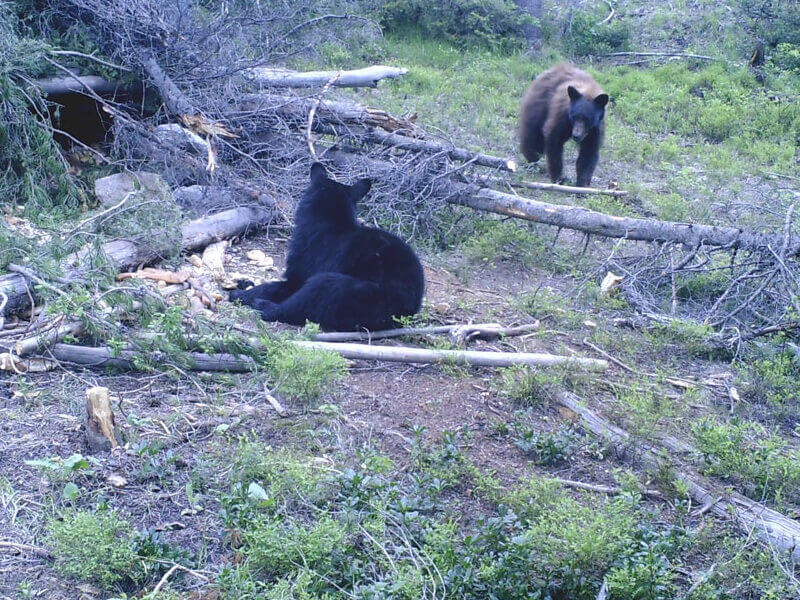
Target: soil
x=172, y=425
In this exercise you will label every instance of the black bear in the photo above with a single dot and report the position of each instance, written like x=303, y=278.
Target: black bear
x=562, y=103
x=339, y=274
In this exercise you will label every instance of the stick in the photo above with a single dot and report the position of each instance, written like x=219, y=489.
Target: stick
x=103, y=356
x=273, y=402
x=463, y=357
x=771, y=526
x=602, y=489
x=569, y=189
x=41, y=552
x=478, y=330
x=366, y=77
x=655, y=54
x=48, y=338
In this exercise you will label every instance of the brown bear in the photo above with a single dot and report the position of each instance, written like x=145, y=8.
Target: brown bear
x=562, y=103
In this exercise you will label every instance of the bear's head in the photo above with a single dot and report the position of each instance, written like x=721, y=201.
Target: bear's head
x=585, y=113
x=331, y=200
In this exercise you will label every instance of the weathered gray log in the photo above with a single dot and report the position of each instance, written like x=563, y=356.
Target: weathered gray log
x=582, y=219
x=88, y=356
x=771, y=526
x=597, y=223
x=366, y=77
x=126, y=254
x=404, y=142
x=459, y=357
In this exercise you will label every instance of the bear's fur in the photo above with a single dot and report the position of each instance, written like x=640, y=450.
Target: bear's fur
x=339, y=274
x=562, y=103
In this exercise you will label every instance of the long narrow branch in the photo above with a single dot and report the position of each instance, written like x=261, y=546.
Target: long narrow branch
x=366, y=77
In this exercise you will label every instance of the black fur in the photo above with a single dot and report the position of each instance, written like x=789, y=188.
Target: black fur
x=338, y=273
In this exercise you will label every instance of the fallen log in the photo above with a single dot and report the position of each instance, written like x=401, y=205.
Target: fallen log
x=458, y=357
x=88, y=356
x=588, y=221
x=126, y=254
x=175, y=100
x=404, y=142
x=366, y=77
x=60, y=86
x=771, y=526
x=295, y=109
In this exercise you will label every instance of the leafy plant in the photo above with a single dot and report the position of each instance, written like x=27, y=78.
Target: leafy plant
x=93, y=546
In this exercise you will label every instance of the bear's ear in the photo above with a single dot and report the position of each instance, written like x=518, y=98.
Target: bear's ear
x=359, y=189
x=574, y=94
x=318, y=173
x=601, y=100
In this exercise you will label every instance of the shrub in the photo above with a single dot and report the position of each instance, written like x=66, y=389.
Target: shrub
x=301, y=373
x=586, y=36
x=92, y=546
x=491, y=23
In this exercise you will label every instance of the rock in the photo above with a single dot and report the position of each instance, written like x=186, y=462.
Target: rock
x=195, y=260
x=113, y=189
x=174, y=135
x=442, y=308
x=214, y=257
x=610, y=283
x=260, y=258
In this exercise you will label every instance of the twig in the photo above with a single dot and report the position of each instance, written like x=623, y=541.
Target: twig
x=41, y=552
x=90, y=57
x=602, y=489
x=85, y=222
x=477, y=330
x=657, y=54
x=610, y=15
x=273, y=401
x=29, y=274
x=313, y=111
x=163, y=580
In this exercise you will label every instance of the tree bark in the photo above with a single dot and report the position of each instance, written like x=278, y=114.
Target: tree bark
x=366, y=77
x=101, y=433
x=126, y=254
x=771, y=526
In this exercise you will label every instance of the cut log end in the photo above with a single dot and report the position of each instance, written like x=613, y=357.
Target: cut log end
x=101, y=432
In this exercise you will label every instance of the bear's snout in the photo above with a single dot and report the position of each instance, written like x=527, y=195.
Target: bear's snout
x=578, y=132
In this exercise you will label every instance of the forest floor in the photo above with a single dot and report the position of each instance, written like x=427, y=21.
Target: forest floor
x=435, y=480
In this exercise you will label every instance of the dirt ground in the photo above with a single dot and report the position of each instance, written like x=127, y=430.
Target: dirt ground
x=173, y=426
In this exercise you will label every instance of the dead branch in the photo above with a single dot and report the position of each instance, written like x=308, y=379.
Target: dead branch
x=366, y=77
x=601, y=489
x=40, y=552
x=295, y=110
x=661, y=54
x=461, y=357
x=771, y=526
x=176, y=101
x=569, y=189
x=60, y=86
x=593, y=222
x=484, y=331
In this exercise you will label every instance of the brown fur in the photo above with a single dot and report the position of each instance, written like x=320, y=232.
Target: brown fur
x=544, y=123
